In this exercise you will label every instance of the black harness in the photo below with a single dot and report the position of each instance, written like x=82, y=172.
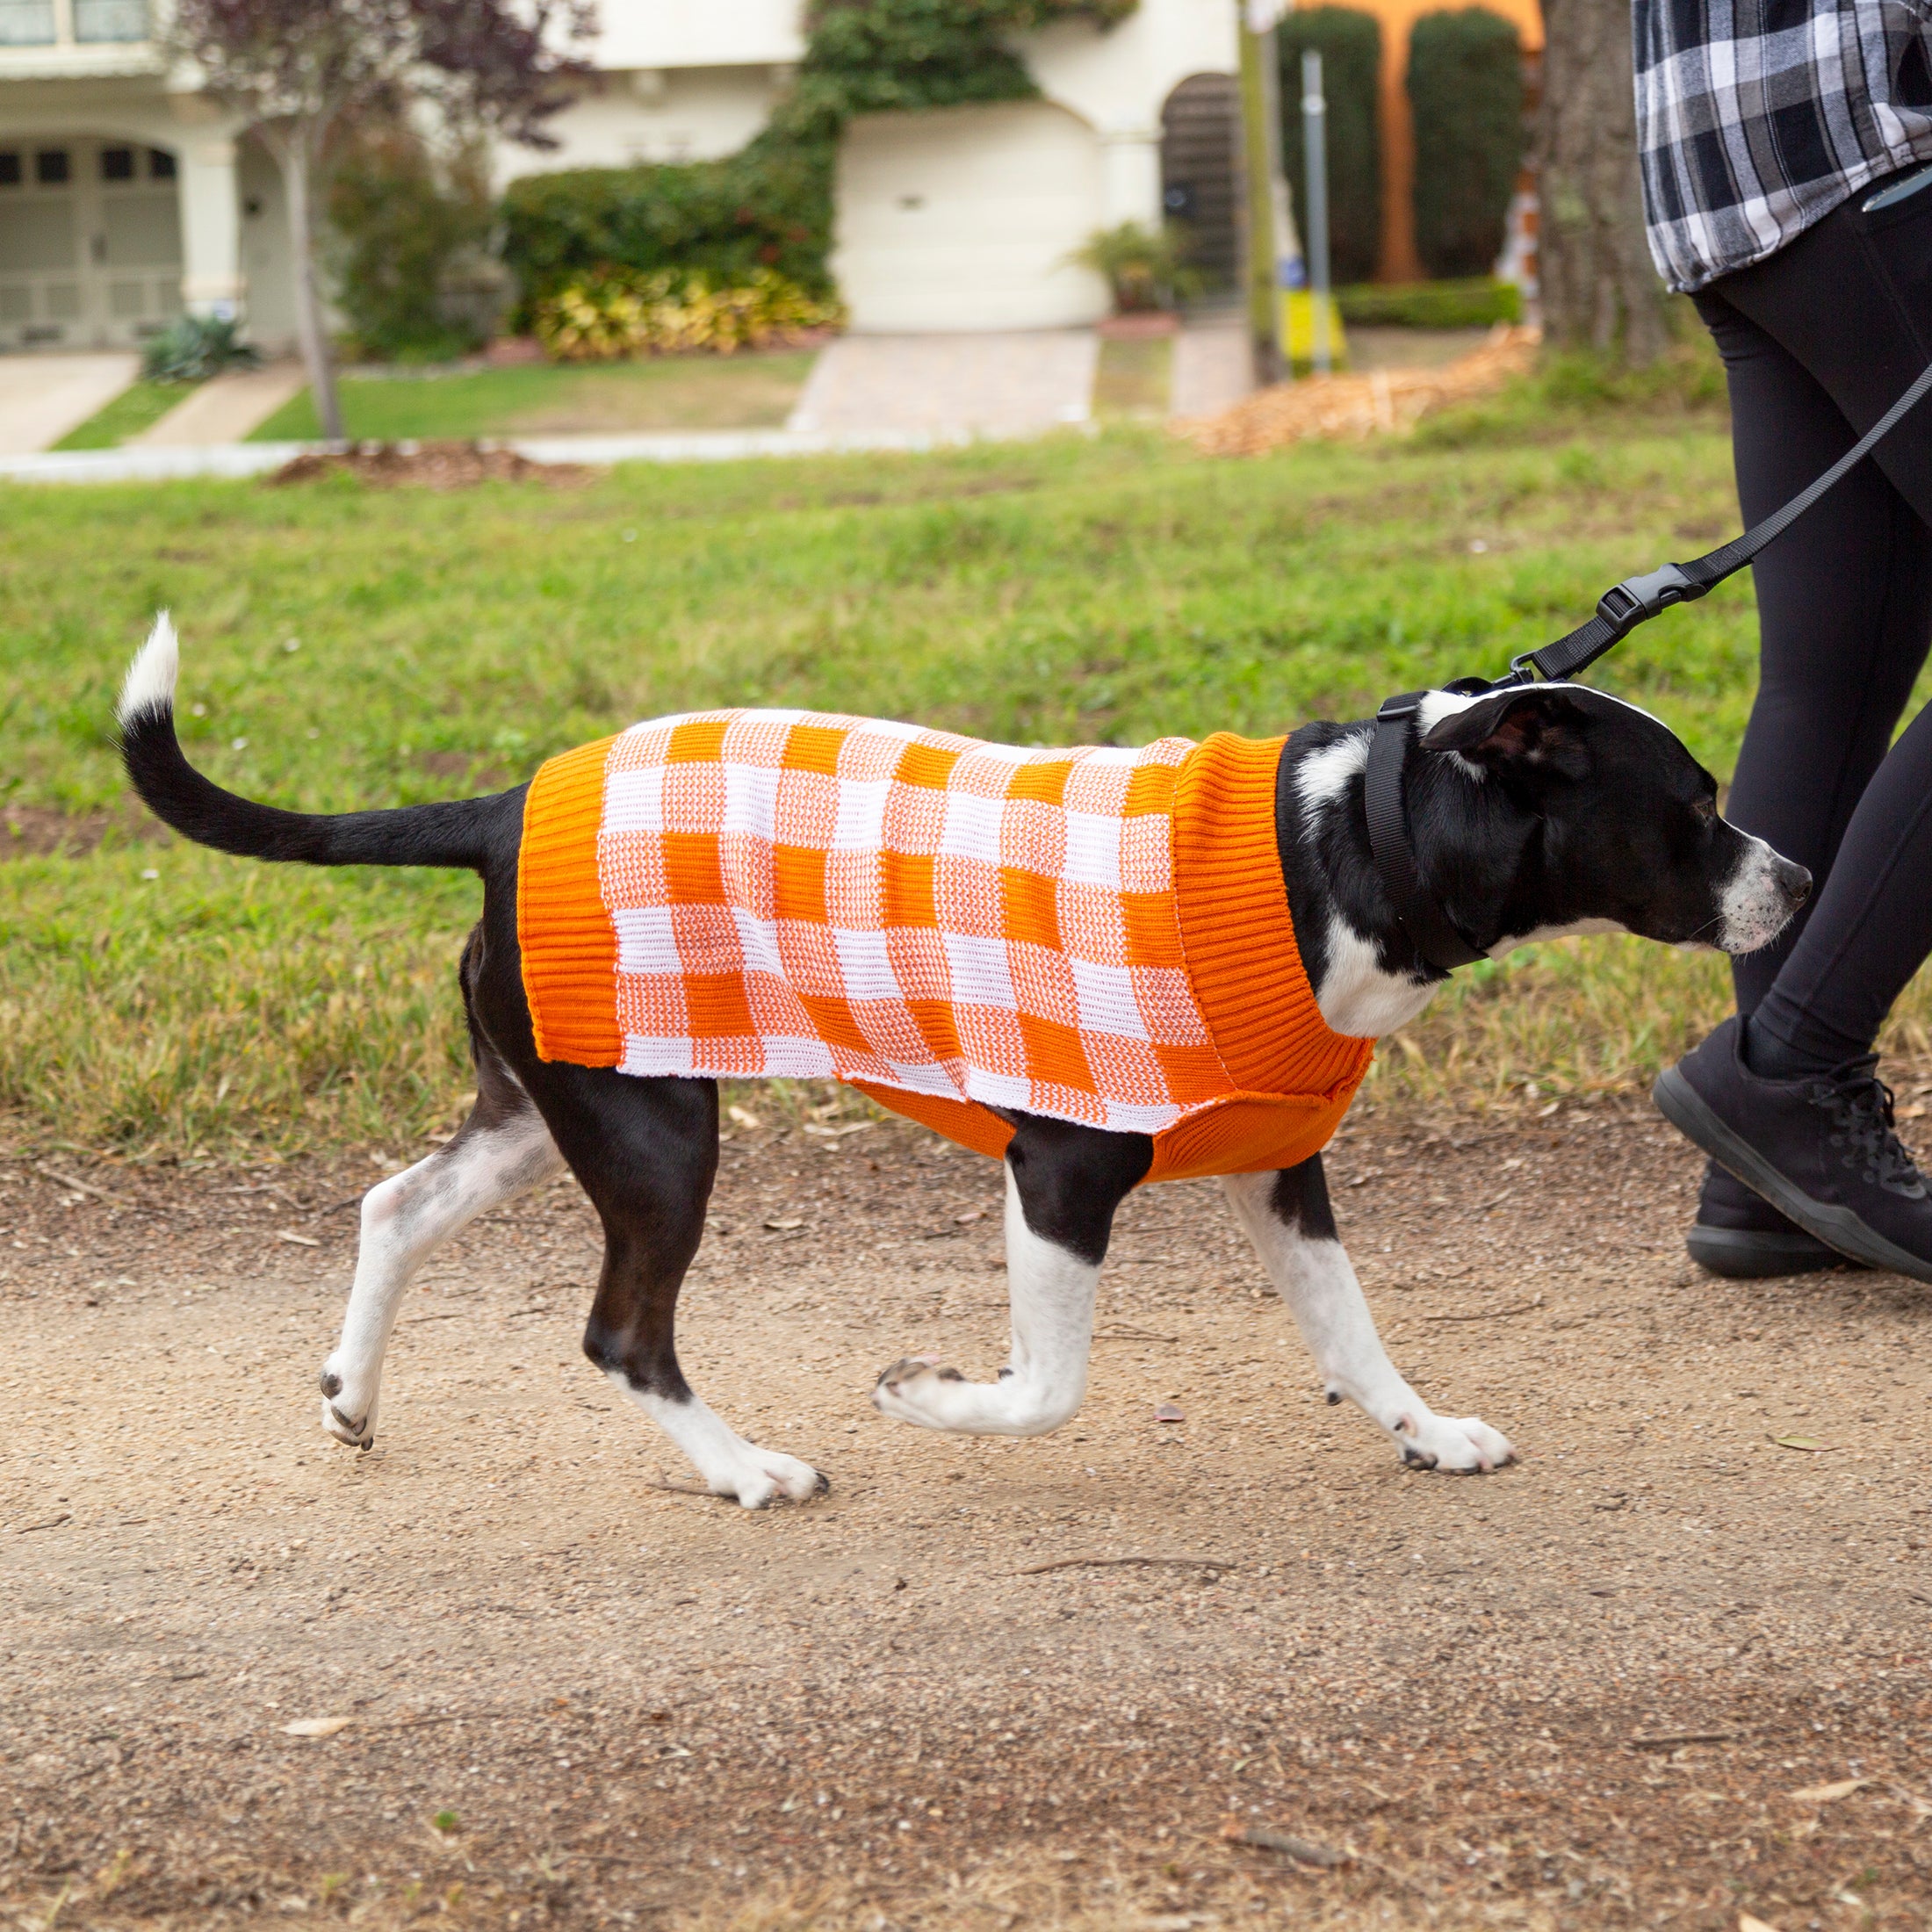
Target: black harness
x=1441, y=942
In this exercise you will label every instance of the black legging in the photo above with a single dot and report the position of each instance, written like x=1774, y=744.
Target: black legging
x=1818, y=341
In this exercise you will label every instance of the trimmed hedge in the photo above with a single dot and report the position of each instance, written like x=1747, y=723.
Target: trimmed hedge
x=1474, y=304
x=1350, y=43
x=769, y=206
x=1466, y=92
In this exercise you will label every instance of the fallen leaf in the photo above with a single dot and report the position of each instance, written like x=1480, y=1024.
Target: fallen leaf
x=1746, y=1923
x=784, y=1227
x=743, y=1119
x=1914, y=1112
x=317, y=1727
x=1808, y=1443
x=1167, y=1412
x=971, y=1214
x=1824, y=1794
x=300, y=1241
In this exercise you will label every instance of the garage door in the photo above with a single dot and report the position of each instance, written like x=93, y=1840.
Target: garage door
x=964, y=219
x=89, y=244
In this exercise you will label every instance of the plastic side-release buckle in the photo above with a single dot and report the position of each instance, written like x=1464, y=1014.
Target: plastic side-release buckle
x=1625, y=606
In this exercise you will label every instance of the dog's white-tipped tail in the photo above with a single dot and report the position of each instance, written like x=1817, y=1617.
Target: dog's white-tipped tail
x=150, y=685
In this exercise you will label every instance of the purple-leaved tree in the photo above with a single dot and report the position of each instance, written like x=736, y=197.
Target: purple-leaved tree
x=300, y=71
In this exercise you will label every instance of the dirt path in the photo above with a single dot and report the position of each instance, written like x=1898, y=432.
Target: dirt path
x=1591, y=1690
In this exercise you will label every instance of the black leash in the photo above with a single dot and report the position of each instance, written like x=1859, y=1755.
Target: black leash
x=1619, y=610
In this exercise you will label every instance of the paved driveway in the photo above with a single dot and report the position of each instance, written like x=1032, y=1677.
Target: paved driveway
x=43, y=397
x=1015, y=382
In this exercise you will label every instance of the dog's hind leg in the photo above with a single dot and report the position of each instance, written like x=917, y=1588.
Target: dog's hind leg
x=502, y=1149
x=1289, y=1220
x=645, y=1149
x=1063, y=1182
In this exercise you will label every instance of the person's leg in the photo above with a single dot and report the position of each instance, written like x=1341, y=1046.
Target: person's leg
x=1787, y=1100
x=1844, y=602
x=1844, y=607
x=1872, y=931
x=1826, y=991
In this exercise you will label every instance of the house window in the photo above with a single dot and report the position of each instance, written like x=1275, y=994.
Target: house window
x=161, y=164
x=117, y=165
x=109, y=19
x=27, y=23
x=50, y=167
x=10, y=169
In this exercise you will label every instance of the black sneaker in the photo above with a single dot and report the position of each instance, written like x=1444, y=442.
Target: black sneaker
x=1820, y=1149
x=1740, y=1234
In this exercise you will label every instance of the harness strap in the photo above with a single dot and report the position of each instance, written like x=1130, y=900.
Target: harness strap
x=1430, y=930
x=1625, y=606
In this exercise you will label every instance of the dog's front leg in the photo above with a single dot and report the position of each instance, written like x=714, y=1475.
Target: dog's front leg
x=1063, y=1183
x=1289, y=1219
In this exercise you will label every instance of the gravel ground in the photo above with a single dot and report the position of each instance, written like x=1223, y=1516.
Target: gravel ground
x=1667, y=1670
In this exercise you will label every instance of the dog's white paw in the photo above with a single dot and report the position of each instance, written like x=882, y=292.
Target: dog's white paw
x=1455, y=1445
x=342, y=1417
x=758, y=1476
x=915, y=1389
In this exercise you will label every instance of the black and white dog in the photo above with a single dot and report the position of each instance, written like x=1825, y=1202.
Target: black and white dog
x=1534, y=812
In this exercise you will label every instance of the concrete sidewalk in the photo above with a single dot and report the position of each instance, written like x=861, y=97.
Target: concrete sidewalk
x=43, y=397
x=1213, y=366
x=226, y=409
x=133, y=464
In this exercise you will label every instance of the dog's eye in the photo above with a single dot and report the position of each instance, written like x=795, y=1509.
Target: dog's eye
x=1706, y=808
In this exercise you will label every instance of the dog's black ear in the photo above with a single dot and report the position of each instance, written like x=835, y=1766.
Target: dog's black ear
x=1541, y=731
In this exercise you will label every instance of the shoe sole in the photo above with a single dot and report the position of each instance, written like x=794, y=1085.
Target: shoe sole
x=1840, y=1227
x=1746, y=1254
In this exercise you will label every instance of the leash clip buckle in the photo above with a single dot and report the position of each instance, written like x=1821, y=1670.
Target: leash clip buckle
x=1625, y=606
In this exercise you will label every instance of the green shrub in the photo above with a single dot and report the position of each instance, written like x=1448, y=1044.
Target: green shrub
x=1474, y=304
x=402, y=222
x=193, y=348
x=767, y=206
x=621, y=314
x=898, y=56
x=1465, y=91
x=1351, y=46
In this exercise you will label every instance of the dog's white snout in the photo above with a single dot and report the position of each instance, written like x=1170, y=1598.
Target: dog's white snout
x=1761, y=898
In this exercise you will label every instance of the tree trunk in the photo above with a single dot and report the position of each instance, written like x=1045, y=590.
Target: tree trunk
x=1599, y=289
x=297, y=182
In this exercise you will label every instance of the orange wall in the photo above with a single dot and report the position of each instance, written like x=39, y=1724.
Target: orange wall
x=1400, y=262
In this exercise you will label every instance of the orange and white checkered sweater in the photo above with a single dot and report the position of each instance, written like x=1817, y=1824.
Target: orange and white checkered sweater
x=1100, y=935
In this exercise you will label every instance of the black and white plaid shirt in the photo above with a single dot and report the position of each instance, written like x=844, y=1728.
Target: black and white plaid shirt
x=1757, y=118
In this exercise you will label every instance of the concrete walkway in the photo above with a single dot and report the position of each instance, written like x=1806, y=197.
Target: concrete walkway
x=226, y=409
x=1004, y=385
x=131, y=464
x=43, y=397
x=1213, y=366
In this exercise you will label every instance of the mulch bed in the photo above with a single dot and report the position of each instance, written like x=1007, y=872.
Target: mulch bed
x=437, y=465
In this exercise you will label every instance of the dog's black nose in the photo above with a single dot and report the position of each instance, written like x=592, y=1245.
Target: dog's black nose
x=1795, y=881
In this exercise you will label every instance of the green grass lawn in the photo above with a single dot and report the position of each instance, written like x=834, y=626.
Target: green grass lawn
x=138, y=407
x=1059, y=592
x=753, y=390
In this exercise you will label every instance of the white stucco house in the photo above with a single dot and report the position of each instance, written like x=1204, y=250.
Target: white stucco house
x=126, y=196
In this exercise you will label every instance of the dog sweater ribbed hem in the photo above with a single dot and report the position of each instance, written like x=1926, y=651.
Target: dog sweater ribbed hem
x=1100, y=935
